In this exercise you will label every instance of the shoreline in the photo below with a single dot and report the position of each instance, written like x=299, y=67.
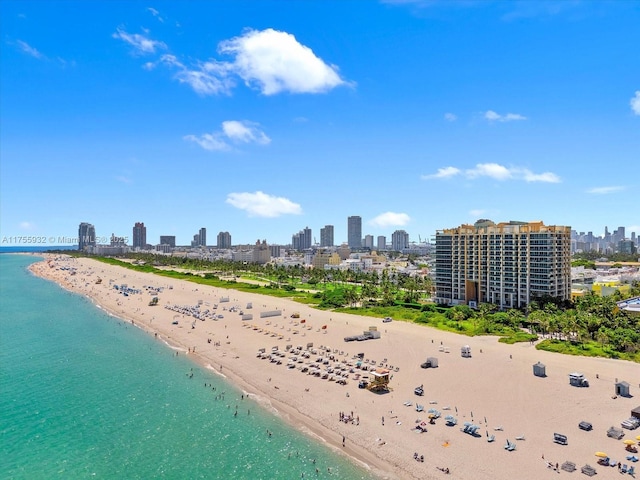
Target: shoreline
x=496, y=382
x=292, y=417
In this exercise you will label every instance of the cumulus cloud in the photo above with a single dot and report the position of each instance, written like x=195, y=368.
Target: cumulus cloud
x=268, y=60
x=446, y=172
x=450, y=117
x=275, y=62
x=244, y=132
x=495, y=171
x=141, y=44
x=605, y=190
x=260, y=204
x=635, y=103
x=390, y=219
x=509, y=117
x=233, y=131
x=29, y=50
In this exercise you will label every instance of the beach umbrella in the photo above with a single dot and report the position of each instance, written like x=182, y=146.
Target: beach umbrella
x=601, y=455
x=629, y=442
x=638, y=437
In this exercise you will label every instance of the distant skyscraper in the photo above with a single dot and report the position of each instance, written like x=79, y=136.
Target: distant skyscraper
x=168, y=240
x=86, y=235
x=382, y=242
x=139, y=235
x=326, y=236
x=224, y=240
x=399, y=240
x=354, y=232
x=368, y=241
x=203, y=237
x=302, y=240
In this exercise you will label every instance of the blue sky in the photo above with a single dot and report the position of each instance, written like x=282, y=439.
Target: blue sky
x=261, y=118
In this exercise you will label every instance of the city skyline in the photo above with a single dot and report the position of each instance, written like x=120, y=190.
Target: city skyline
x=305, y=238
x=258, y=120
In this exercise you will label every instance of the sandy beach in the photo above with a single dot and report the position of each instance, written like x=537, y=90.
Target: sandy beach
x=494, y=389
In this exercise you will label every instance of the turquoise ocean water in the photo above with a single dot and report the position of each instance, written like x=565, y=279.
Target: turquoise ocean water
x=86, y=395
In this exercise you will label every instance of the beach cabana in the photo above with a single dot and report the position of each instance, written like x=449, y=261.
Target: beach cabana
x=466, y=351
x=622, y=389
x=636, y=412
x=539, y=370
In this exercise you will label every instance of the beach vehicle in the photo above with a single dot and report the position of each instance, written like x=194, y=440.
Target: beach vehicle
x=386, y=319
x=153, y=301
x=578, y=380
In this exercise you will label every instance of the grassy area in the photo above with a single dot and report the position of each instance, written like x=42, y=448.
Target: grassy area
x=516, y=337
x=587, y=349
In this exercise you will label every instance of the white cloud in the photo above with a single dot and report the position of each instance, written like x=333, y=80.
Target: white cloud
x=635, y=103
x=26, y=225
x=477, y=213
x=268, y=60
x=495, y=171
x=140, y=43
x=390, y=219
x=155, y=13
x=209, y=141
x=275, y=62
x=260, y=204
x=547, y=177
x=232, y=130
x=445, y=172
x=450, y=117
x=29, y=50
x=605, y=190
x=206, y=78
x=245, y=132
x=496, y=117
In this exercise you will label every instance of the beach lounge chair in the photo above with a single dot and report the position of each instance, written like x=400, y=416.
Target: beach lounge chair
x=624, y=468
x=491, y=438
x=419, y=408
x=510, y=446
x=632, y=470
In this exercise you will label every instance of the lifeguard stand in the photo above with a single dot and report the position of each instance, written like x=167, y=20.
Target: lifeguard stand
x=379, y=381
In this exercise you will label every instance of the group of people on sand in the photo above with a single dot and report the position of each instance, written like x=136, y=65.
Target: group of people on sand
x=419, y=458
x=444, y=469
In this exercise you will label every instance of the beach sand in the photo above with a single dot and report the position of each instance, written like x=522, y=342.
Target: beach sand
x=495, y=388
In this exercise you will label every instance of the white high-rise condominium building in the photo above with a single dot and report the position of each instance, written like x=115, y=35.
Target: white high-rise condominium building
x=399, y=240
x=507, y=264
